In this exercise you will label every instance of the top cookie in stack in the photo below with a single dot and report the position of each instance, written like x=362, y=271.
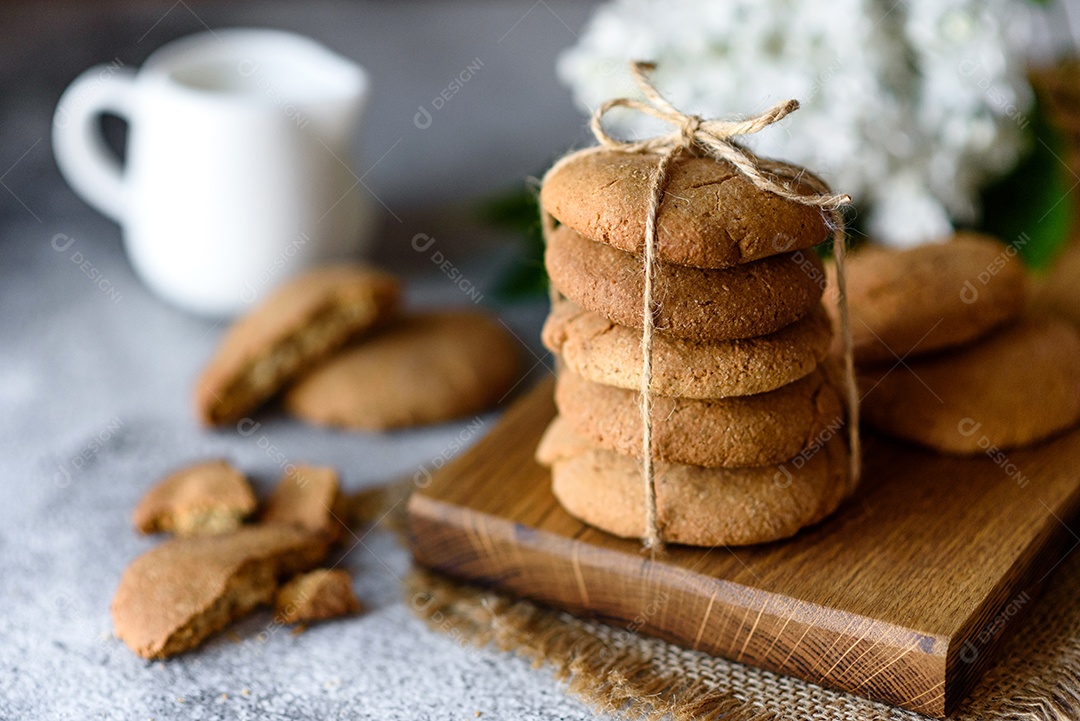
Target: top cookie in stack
x=741, y=403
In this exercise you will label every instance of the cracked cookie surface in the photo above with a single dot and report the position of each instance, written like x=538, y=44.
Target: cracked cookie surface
x=751, y=299
x=757, y=430
x=695, y=506
x=710, y=217
x=607, y=353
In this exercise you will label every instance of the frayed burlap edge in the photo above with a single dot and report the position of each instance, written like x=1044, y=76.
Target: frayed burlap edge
x=623, y=681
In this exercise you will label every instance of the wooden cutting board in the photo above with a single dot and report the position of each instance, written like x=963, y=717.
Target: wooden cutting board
x=905, y=595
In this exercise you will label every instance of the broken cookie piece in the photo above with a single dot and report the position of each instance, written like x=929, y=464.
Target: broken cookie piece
x=316, y=596
x=305, y=498
x=206, y=498
x=174, y=596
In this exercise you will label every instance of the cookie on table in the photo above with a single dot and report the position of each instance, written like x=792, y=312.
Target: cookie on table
x=306, y=497
x=171, y=598
x=756, y=430
x=1016, y=386
x=604, y=352
x=425, y=368
x=711, y=215
x=316, y=596
x=695, y=506
x=1056, y=292
x=928, y=298
x=206, y=498
x=745, y=300
x=298, y=325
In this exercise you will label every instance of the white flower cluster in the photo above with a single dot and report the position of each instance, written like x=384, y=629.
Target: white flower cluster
x=910, y=106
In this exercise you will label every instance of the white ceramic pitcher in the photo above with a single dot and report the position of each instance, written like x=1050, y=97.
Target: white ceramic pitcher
x=239, y=170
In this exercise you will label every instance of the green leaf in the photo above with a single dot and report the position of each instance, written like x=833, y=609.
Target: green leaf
x=518, y=213
x=1032, y=207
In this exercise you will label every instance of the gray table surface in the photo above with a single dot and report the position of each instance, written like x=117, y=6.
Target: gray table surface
x=94, y=388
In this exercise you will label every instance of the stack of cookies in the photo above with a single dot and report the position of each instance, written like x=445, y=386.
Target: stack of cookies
x=948, y=355
x=747, y=421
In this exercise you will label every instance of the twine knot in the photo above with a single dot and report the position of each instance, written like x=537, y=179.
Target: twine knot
x=714, y=137
x=690, y=128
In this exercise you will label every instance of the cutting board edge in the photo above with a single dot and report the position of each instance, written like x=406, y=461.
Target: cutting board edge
x=488, y=535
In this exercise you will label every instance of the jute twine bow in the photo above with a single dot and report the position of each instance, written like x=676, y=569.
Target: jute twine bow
x=713, y=138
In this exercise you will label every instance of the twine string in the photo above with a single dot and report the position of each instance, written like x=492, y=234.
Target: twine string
x=714, y=138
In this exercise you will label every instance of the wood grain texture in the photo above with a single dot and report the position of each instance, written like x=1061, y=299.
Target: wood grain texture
x=905, y=595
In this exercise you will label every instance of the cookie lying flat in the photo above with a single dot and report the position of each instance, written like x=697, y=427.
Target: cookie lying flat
x=210, y=497
x=316, y=596
x=297, y=326
x=1057, y=292
x=610, y=354
x=305, y=498
x=746, y=300
x=695, y=506
x=426, y=368
x=930, y=297
x=174, y=596
x=711, y=215
x=756, y=430
x=1016, y=386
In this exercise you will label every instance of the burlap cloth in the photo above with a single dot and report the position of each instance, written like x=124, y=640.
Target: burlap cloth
x=634, y=676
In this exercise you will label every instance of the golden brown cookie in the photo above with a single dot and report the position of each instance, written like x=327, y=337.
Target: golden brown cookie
x=746, y=300
x=175, y=595
x=1014, y=387
x=756, y=430
x=305, y=498
x=297, y=326
x=1057, y=292
x=711, y=215
x=206, y=498
x=927, y=298
x=425, y=368
x=610, y=354
x=695, y=506
x=316, y=596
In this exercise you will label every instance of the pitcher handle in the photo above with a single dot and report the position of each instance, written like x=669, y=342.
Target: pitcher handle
x=84, y=159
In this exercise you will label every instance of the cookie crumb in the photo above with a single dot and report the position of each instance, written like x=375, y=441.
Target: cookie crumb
x=318, y=595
